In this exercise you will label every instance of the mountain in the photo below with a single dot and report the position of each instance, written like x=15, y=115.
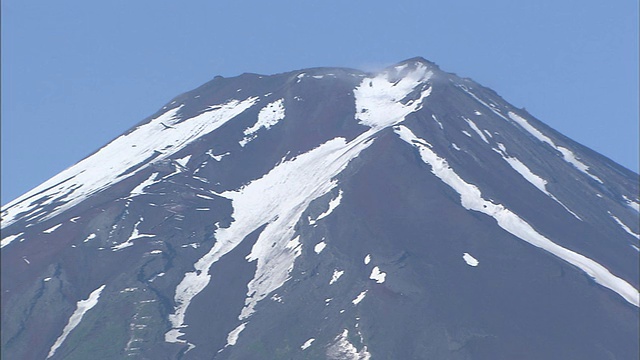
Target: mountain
x=328, y=213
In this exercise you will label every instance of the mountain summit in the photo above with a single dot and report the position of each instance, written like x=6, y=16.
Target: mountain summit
x=328, y=213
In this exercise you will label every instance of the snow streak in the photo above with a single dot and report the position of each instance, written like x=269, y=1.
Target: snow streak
x=156, y=140
x=471, y=199
x=81, y=309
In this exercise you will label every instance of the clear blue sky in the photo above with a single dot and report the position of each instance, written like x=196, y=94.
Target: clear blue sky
x=75, y=74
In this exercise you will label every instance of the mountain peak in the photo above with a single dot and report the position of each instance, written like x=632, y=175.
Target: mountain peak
x=419, y=60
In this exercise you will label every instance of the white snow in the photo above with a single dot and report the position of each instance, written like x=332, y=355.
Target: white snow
x=475, y=128
x=433, y=116
x=232, y=338
x=109, y=165
x=279, y=198
x=378, y=99
x=624, y=227
x=471, y=199
x=268, y=116
x=319, y=247
x=297, y=181
x=205, y=197
x=52, y=229
x=377, y=275
x=183, y=161
x=632, y=204
x=73, y=220
x=336, y=275
x=359, y=298
x=477, y=112
x=470, y=260
x=90, y=237
x=139, y=190
x=455, y=146
x=467, y=133
x=308, y=342
x=26, y=260
x=217, y=157
x=81, y=309
x=367, y=259
x=332, y=205
x=527, y=174
x=567, y=155
x=342, y=349
x=46, y=279
x=135, y=234
x=8, y=239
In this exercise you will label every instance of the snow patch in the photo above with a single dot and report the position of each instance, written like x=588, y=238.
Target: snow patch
x=232, y=338
x=308, y=342
x=632, y=204
x=624, y=227
x=139, y=190
x=135, y=234
x=183, y=161
x=8, y=239
x=378, y=99
x=342, y=349
x=81, y=309
x=268, y=116
x=378, y=275
x=367, y=259
x=332, y=205
x=90, y=237
x=319, y=247
x=359, y=298
x=217, y=157
x=52, y=229
x=336, y=275
x=470, y=260
x=278, y=200
x=475, y=128
x=433, y=116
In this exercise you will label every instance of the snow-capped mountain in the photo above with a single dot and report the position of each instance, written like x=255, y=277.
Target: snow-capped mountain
x=328, y=213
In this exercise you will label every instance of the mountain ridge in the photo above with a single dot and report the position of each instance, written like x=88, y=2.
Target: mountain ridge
x=304, y=214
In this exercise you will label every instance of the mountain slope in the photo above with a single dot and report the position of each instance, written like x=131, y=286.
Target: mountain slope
x=328, y=213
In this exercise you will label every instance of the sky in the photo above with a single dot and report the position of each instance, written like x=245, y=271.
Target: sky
x=76, y=74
